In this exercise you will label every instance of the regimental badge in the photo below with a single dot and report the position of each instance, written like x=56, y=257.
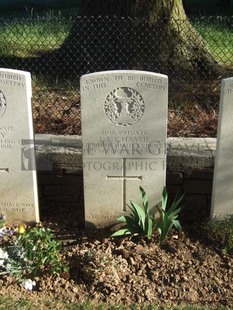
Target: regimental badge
x=124, y=106
x=2, y=103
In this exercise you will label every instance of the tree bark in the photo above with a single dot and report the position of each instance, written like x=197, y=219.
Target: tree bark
x=185, y=49
x=150, y=9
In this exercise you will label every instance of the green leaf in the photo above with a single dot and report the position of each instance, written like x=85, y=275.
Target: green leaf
x=134, y=214
x=121, y=218
x=174, y=214
x=121, y=232
x=140, y=213
x=150, y=228
x=177, y=225
x=175, y=204
x=131, y=223
x=164, y=199
x=144, y=199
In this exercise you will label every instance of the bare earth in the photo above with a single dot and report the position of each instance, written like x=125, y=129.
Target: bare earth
x=187, y=270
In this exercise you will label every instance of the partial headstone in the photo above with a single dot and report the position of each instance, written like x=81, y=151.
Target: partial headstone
x=18, y=182
x=222, y=195
x=124, y=130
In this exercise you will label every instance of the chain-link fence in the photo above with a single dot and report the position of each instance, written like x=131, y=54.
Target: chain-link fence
x=57, y=51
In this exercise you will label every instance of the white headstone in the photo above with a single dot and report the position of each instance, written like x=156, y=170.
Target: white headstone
x=222, y=196
x=124, y=130
x=18, y=183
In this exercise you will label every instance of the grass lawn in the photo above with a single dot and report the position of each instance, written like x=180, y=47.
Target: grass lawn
x=8, y=303
x=218, y=34
x=28, y=37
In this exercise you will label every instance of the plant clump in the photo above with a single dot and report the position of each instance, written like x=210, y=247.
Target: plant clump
x=141, y=222
x=27, y=252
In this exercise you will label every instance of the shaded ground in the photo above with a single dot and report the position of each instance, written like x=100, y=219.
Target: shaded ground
x=56, y=111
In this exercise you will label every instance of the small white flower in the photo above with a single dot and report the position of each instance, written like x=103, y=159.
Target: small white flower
x=3, y=254
x=2, y=230
x=28, y=284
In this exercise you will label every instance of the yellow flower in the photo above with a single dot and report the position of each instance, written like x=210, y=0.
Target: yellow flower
x=21, y=228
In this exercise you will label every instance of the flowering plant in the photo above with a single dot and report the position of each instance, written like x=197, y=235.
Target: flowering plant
x=29, y=251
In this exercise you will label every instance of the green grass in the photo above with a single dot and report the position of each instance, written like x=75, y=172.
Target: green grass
x=28, y=38
x=218, y=35
x=8, y=303
x=64, y=8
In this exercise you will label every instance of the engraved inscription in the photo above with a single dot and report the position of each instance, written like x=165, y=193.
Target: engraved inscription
x=2, y=103
x=124, y=106
x=11, y=80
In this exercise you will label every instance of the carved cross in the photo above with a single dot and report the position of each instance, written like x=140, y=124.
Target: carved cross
x=124, y=178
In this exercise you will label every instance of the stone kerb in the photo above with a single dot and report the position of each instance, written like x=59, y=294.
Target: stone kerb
x=190, y=164
x=64, y=154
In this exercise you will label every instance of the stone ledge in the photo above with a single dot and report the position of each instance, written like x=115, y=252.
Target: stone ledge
x=63, y=154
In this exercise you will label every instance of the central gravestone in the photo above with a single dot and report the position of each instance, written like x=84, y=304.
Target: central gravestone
x=18, y=182
x=124, y=130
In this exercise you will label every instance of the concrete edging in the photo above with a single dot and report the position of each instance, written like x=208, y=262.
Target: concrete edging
x=190, y=166
x=65, y=152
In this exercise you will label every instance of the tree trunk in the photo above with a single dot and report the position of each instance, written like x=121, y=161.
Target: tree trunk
x=182, y=47
x=106, y=7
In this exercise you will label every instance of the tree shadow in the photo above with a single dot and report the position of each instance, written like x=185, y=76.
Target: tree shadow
x=102, y=43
